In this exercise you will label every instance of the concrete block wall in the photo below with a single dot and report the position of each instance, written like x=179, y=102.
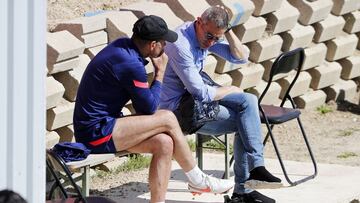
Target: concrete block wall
x=328, y=30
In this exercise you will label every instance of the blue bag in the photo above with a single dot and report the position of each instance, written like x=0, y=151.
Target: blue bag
x=71, y=151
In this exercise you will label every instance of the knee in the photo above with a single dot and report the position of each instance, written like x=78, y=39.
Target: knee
x=163, y=144
x=168, y=117
x=251, y=99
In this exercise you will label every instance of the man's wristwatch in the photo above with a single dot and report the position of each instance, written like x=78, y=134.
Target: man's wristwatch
x=229, y=27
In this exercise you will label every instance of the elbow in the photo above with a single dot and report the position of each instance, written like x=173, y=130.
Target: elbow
x=147, y=109
x=201, y=95
x=151, y=110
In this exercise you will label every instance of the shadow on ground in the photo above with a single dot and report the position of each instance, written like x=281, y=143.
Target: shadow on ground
x=138, y=192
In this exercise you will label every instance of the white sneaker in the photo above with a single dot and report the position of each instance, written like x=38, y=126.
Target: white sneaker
x=210, y=184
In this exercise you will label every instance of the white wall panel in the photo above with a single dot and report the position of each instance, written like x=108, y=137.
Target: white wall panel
x=22, y=97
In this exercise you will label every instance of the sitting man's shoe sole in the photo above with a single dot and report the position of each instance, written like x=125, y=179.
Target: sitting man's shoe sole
x=257, y=184
x=196, y=191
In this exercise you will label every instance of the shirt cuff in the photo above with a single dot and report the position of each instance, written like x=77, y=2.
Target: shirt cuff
x=156, y=83
x=211, y=92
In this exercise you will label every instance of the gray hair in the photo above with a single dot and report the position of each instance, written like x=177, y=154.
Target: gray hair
x=217, y=15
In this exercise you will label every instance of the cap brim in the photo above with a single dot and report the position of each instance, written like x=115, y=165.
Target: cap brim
x=171, y=36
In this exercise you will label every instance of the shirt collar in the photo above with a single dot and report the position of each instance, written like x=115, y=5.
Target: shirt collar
x=192, y=33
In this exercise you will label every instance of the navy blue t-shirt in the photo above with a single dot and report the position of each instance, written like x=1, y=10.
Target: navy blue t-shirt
x=115, y=76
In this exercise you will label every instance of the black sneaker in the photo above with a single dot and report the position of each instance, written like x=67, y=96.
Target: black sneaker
x=252, y=197
x=260, y=178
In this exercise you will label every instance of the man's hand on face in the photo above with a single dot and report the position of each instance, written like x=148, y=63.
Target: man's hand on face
x=160, y=61
x=159, y=66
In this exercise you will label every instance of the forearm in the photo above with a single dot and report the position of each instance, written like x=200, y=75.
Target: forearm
x=237, y=49
x=221, y=92
x=159, y=75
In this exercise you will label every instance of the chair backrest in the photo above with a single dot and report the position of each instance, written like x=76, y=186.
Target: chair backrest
x=284, y=63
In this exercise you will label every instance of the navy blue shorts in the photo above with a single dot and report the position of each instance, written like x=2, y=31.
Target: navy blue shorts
x=102, y=141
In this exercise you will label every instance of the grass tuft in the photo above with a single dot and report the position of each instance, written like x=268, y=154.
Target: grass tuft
x=324, y=109
x=346, y=155
x=135, y=162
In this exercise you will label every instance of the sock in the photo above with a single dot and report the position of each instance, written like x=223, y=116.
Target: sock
x=260, y=173
x=195, y=175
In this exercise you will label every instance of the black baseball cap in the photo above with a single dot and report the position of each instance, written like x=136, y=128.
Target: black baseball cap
x=153, y=27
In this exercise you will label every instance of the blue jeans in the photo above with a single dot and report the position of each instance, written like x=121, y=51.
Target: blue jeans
x=239, y=113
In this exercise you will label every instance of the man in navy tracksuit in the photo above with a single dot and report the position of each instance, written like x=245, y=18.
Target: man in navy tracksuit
x=117, y=75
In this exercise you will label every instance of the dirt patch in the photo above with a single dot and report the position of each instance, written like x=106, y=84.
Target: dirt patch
x=334, y=136
x=61, y=10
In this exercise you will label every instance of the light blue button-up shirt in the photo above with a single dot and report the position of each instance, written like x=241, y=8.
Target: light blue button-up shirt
x=186, y=59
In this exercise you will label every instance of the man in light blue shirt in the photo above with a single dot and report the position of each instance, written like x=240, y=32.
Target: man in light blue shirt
x=238, y=111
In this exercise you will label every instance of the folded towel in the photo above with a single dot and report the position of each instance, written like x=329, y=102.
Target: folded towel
x=71, y=151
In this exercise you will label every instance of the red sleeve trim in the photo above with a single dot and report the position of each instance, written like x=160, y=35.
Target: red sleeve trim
x=141, y=84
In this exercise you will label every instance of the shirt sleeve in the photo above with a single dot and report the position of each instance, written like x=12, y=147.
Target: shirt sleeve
x=145, y=99
x=222, y=50
x=182, y=62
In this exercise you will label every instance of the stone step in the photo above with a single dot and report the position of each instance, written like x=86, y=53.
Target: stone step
x=51, y=139
x=328, y=28
x=312, y=11
x=185, y=9
x=154, y=8
x=283, y=19
x=223, y=79
x=301, y=86
x=71, y=79
x=299, y=36
x=267, y=66
x=311, y=99
x=251, y=30
x=341, y=91
x=95, y=39
x=116, y=26
x=350, y=67
x=247, y=76
x=265, y=48
x=325, y=75
x=54, y=92
x=272, y=95
x=66, y=133
x=64, y=65
x=342, y=7
x=224, y=66
x=266, y=6
x=91, y=52
x=340, y=47
x=82, y=25
x=61, y=115
x=314, y=56
x=210, y=65
x=352, y=22
x=62, y=46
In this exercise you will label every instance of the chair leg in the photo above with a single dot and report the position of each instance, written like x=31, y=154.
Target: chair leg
x=267, y=135
x=56, y=184
x=227, y=155
x=292, y=183
x=309, y=149
x=199, y=150
x=85, y=181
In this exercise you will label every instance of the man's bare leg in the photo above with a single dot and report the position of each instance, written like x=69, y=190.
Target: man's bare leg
x=161, y=147
x=130, y=131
